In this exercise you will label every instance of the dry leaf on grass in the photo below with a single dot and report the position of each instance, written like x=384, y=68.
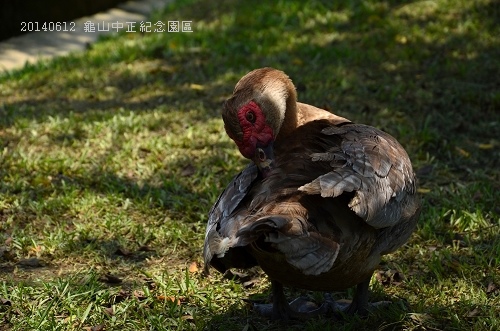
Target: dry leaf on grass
x=36, y=249
x=110, y=311
x=492, y=288
x=139, y=295
x=173, y=299
x=193, y=267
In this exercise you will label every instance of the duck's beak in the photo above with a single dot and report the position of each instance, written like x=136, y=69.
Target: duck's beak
x=264, y=159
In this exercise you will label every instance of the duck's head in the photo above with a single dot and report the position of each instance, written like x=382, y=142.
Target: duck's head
x=262, y=101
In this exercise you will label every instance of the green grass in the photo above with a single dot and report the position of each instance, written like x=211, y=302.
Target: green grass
x=111, y=159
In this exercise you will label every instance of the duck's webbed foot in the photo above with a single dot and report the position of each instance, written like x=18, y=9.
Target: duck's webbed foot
x=280, y=309
x=359, y=304
x=301, y=308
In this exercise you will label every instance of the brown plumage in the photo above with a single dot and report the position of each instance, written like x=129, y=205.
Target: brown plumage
x=323, y=200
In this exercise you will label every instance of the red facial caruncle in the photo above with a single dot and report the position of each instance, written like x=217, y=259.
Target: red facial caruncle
x=256, y=132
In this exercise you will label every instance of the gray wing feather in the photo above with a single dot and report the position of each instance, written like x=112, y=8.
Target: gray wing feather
x=370, y=163
x=227, y=202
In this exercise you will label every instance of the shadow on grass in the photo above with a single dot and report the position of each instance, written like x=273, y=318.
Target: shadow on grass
x=49, y=201
x=392, y=317
x=252, y=321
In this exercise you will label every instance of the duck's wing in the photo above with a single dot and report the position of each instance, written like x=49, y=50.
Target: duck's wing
x=374, y=166
x=220, y=216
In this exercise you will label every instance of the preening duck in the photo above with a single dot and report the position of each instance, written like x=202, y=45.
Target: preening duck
x=322, y=201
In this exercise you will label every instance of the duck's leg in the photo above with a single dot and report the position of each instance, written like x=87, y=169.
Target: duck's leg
x=282, y=310
x=360, y=304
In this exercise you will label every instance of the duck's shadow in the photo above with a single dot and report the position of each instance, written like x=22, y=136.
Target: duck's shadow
x=246, y=317
x=237, y=318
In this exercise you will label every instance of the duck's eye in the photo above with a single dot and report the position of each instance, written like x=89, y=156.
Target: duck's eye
x=262, y=155
x=250, y=116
